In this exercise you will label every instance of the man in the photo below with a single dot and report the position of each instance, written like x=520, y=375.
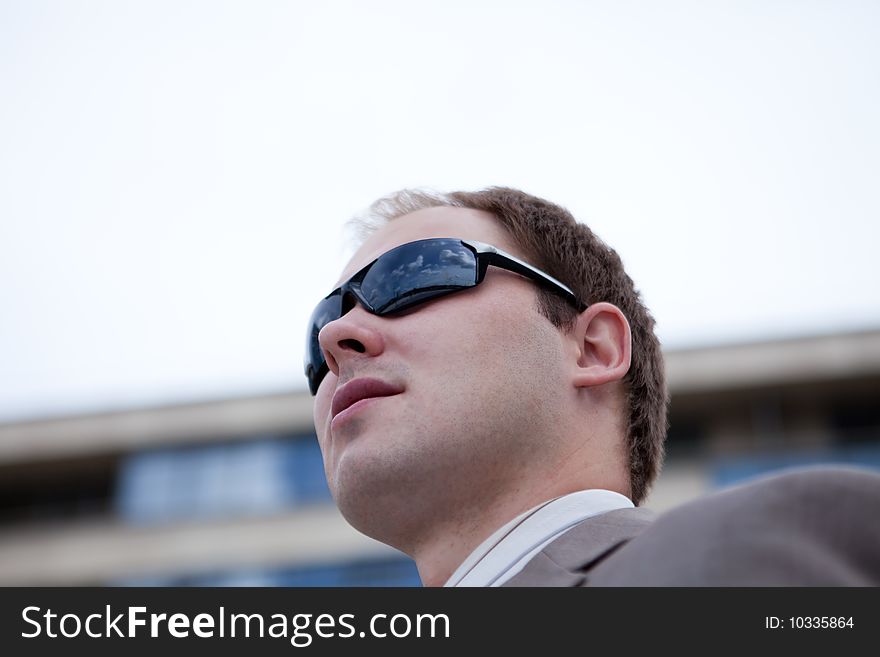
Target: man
x=490, y=400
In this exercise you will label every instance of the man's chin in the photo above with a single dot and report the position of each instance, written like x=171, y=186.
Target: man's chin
x=373, y=521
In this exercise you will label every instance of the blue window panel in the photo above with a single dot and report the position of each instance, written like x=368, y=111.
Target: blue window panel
x=396, y=571
x=205, y=482
x=247, y=479
x=260, y=476
x=735, y=470
x=399, y=572
x=144, y=486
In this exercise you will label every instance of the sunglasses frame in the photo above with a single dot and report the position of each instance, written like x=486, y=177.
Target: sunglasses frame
x=485, y=255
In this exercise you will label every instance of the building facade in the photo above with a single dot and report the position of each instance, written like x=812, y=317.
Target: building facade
x=232, y=492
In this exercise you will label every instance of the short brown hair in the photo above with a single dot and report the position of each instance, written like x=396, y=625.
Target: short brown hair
x=554, y=241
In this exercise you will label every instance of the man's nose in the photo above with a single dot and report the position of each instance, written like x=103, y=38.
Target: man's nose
x=352, y=334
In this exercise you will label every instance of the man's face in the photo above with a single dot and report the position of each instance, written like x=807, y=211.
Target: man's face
x=478, y=382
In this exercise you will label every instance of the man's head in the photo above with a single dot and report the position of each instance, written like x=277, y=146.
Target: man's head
x=500, y=392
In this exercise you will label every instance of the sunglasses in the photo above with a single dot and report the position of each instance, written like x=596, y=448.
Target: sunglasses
x=412, y=274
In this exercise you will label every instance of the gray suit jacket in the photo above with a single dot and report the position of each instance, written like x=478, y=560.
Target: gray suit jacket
x=811, y=527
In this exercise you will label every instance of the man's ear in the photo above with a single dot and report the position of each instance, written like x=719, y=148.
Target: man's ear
x=604, y=345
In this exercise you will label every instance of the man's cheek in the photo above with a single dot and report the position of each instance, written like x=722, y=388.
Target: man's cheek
x=322, y=405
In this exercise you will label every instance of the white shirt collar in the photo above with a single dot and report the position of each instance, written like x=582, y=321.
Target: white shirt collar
x=508, y=550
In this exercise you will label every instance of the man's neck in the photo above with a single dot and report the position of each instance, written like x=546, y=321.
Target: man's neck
x=449, y=540
x=452, y=542
x=437, y=560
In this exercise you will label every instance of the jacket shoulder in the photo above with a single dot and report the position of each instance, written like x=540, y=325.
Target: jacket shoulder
x=814, y=526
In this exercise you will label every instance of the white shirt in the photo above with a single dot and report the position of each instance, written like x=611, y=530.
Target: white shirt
x=508, y=550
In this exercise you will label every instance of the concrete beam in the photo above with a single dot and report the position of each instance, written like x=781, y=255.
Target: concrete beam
x=101, y=552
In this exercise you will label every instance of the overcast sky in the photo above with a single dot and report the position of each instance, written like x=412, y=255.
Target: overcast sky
x=174, y=176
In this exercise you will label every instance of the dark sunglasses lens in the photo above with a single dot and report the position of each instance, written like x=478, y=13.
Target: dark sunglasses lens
x=417, y=272
x=326, y=311
x=403, y=277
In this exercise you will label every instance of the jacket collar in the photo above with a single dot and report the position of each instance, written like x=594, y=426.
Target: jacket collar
x=567, y=560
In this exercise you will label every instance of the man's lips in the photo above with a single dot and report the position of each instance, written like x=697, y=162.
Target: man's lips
x=358, y=389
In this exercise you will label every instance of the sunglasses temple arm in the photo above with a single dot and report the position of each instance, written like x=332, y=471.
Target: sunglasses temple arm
x=511, y=263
